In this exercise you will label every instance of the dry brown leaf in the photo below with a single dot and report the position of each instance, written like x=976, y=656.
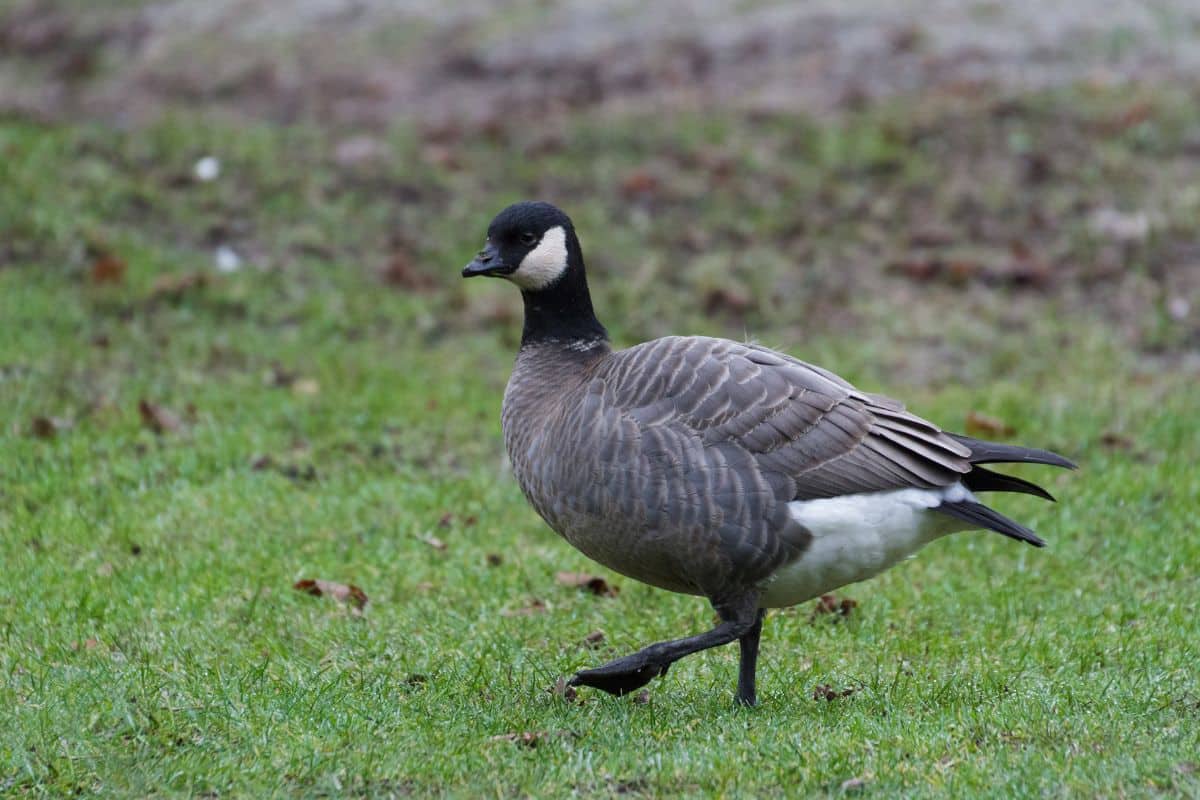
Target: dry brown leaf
x=45, y=427
x=108, y=268
x=639, y=182
x=175, y=286
x=728, y=300
x=261, y=462
x=979, y=424
x=830, y=604
x=1116, y=441
x=494, y=559
x=535, y=607
x=827, y=692
x=592, y=583
x=157, y=418
x=402, y=273
x=435, y=543
x=562, y=689
x=280, y=377
x=341, y=592
x=594, y=639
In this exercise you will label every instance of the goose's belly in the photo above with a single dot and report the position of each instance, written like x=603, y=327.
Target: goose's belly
x=856, y=537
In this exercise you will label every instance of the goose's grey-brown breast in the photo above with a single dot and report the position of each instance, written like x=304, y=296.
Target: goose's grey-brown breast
x=674, y=461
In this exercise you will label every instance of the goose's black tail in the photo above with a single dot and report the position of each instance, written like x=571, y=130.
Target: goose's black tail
x=984, y=480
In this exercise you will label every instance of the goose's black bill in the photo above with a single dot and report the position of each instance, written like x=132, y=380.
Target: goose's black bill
x=487, y=262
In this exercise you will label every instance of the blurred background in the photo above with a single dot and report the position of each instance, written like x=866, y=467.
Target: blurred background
x=238, y=364
x=768, y=165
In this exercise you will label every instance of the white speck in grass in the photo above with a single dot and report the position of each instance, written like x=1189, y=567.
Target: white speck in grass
x=207, y=169
x=227, y=259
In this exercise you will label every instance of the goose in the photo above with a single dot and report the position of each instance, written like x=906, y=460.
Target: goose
x=717, y=468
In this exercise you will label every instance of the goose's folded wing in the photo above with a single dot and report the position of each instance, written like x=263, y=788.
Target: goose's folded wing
x=810, y=433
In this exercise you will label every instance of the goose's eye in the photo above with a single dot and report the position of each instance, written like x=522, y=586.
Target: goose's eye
x=528, y=237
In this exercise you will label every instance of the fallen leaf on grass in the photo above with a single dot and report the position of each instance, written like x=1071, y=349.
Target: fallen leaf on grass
x=299, y=472
x=279, y=377
x=642, y=698
x=594, y=639
x=175, y=286
x=108, y=268
x=47, y=427
x=403, y=274
x=730, y=300
x=979, y=424
x=564, y=690
x=261, y=462
x=435, y=543
x=341, y=592
x=592, y=583
x=853, y=784
x=157, y=418
x=826, y=692
x=494, y=559
x=535, y=607
x=1116, y=441
x=925, y=270
x=639, y=182
x=830, y=604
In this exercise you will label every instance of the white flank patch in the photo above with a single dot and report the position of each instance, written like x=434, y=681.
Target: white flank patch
x=857, y=536
x=544, y=263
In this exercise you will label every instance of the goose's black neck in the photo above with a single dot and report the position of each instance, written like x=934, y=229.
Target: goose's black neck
x=562, y=312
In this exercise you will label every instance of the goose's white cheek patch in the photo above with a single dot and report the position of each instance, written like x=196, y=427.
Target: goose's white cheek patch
x=544, y=263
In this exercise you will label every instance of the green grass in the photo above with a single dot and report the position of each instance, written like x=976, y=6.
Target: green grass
x=153, y=645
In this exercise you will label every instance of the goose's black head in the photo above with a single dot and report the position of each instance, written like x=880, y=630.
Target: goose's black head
x=533, y=245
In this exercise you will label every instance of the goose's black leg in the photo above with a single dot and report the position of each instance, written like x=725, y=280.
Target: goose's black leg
x=746, y=667
x=623, y=675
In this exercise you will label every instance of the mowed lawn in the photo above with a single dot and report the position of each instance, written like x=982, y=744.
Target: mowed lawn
x=181, y=444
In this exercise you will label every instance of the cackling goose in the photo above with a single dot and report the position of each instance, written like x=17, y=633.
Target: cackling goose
x=717, y=468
